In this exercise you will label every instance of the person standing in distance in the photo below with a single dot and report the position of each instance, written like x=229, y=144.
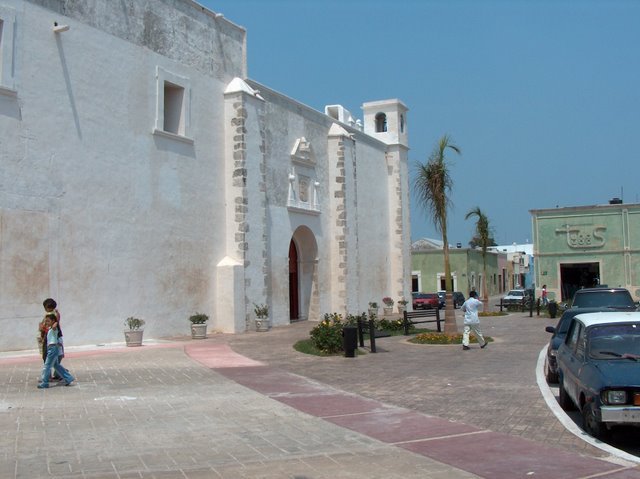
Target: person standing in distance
x=471, y=321
x=545, y=301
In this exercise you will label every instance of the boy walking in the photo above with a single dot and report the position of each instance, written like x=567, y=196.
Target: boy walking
x=52, y=354
x=471, y=321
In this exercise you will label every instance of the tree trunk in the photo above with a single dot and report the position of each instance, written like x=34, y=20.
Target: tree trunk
x=449, y=311
x=485, y=293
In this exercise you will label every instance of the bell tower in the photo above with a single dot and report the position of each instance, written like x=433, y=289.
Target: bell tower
x=387, y=121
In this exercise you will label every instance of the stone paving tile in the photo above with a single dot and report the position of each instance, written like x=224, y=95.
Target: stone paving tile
x=494, y=388
x=155, y=413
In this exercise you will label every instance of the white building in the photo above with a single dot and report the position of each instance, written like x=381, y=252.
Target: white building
x=144, y=175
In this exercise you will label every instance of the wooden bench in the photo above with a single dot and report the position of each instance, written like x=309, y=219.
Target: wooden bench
x=411, y=318
x=369, y=327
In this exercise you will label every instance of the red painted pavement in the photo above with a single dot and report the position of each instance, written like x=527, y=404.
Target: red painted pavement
x=484, y=453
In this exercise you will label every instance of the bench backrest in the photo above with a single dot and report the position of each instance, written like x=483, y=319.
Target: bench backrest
x=425, y=313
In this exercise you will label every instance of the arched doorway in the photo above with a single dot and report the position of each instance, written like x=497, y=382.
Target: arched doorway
x=294, y=310
x=303, y=294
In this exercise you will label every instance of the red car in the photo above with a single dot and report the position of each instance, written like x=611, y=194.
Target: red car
x=425, y=301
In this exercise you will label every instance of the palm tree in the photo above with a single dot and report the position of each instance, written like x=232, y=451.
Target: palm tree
x=433, y=185
x=483, y=234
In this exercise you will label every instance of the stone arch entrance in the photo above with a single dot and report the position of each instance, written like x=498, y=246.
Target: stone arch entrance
x=303, y=251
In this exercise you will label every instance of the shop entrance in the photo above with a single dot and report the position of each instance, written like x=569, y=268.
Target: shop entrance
x=575, y=276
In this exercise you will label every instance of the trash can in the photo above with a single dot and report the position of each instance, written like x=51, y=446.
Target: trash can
x=349, y=341
x=552, y=307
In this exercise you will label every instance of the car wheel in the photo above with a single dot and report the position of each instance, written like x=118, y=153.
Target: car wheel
x=552, y=378
x=564, y=400
x=590, y=423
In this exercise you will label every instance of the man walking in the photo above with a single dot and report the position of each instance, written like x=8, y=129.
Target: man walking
x=471, y=321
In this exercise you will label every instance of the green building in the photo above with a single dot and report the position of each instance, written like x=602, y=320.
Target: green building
x=427, y=269
x=584, y=246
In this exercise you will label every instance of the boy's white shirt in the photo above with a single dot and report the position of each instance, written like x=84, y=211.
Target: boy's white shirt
x=52, y=337
x=470, y=308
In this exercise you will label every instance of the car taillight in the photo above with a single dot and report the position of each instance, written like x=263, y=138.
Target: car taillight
x=636, y=399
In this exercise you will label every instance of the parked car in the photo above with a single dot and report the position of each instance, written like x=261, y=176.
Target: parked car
x=599, y=370
x=442, y=297
x=559, y=333
x=617, y=298
x=425, y=301
x=515, y=297
x=458, y=299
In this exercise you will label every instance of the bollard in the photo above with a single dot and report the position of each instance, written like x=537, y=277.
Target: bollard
x=349, y=341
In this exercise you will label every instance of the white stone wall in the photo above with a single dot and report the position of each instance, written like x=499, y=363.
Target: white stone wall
x=359, y=254
x=113, y=216
x=96, y=210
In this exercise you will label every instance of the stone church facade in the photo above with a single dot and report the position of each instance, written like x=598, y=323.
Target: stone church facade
x=144, y=174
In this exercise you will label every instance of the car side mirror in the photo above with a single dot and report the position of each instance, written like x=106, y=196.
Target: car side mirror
x=550, y=329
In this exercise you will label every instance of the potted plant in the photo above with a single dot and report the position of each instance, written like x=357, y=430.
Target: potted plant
x=133, y=336
x=199, y=325
x=373, y=308
x=262, y=316
x=388, y=305
x=402, y=305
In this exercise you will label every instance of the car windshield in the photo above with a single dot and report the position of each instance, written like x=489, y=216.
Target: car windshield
x=618, y=300
x=516, y=293
x=615, y=341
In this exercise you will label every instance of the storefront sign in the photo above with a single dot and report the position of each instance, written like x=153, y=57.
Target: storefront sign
x=584, y=236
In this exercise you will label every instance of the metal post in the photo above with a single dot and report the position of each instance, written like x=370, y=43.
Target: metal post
x=372, y=335
x=360, y=333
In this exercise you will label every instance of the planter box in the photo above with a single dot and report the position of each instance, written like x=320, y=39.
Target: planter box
x=262, y=324
x=133, y=337
x=199, y=331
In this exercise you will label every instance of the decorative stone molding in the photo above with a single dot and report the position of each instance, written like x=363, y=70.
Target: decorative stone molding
x=302, y=152
x=584, y=236
x=303, y=196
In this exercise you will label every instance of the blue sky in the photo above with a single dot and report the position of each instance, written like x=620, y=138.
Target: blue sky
x=542, y=97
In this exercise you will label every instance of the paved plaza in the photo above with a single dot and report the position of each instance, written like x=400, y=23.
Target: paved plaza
x=250, y=406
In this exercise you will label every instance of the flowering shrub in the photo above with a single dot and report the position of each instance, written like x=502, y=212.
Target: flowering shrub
x=327, y=335
x=387, y=301
x=442, y=338
x=394, y=325
x=402, y=302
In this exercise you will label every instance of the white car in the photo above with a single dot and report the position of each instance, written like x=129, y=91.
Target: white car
x=515, y=296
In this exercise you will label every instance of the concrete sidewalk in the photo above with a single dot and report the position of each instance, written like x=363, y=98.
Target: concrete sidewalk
x=249, y=406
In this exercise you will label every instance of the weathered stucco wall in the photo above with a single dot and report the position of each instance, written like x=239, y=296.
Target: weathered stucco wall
x=96, y=210
x=117, y=203
x=606, y=235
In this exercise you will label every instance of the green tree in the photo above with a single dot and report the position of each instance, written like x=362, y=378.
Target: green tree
x=483, y=234
x=475, y=242
x=433, y=185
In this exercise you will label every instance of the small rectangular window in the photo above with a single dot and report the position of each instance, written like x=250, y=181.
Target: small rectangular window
x=174, y=120
x=7, y=47
x=173, y=106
